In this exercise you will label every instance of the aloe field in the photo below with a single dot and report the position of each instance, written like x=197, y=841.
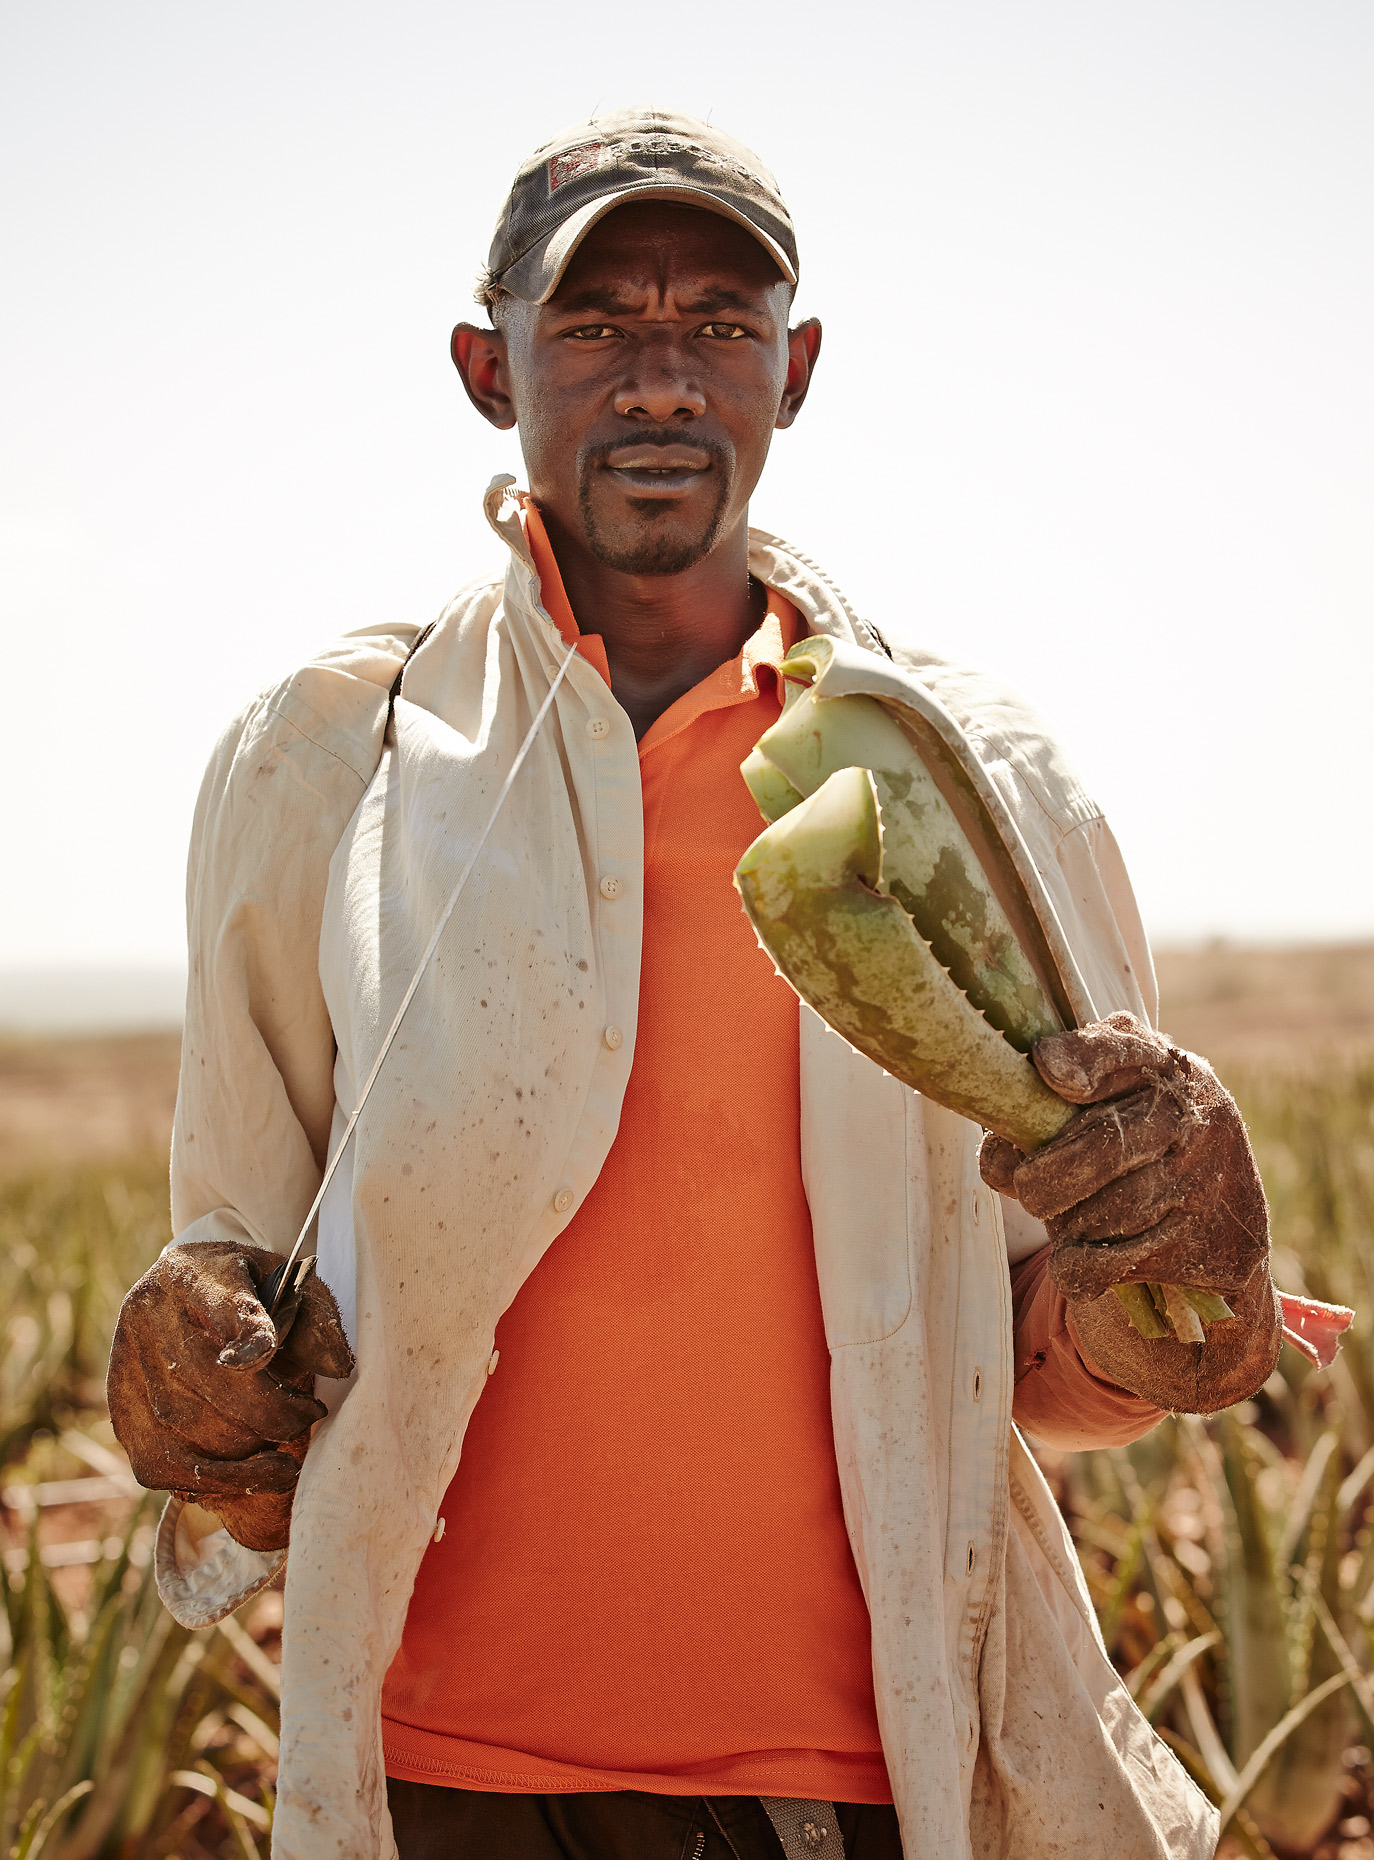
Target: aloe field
x=120, y=1732
x=1231, y=1560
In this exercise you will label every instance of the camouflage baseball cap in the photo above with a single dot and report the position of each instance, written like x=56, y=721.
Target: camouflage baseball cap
x=580, y=176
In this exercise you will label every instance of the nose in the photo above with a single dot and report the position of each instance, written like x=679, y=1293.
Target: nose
x=660, y=389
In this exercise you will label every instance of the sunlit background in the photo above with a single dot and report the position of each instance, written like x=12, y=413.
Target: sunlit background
x=1094, y=411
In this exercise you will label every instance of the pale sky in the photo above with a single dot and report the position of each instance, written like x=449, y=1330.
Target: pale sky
x=1095, y=408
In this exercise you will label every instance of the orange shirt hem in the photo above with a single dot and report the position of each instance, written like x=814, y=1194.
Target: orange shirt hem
x=413, y=1755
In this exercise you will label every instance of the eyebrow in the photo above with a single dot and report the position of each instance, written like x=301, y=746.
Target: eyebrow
x=611, y=303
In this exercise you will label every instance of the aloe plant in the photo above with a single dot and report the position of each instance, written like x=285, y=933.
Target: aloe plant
x=815, y=888
x=111, y=1712
x=71, y=1243
x=873, y=902
x=1314, y=1137
x=1242, y=1654
x=1300, y=1789
x=121, y=1734
x=928, y=863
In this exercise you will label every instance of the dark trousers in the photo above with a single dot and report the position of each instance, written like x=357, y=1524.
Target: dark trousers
x=437, y=1823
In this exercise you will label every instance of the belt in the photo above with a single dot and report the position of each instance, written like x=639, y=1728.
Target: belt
x=807, y=1830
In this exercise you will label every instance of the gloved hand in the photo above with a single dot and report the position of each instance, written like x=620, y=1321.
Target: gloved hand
x=1155, y=1181
x=194, y=1402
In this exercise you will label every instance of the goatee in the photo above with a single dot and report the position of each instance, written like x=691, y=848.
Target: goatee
x=651, y=551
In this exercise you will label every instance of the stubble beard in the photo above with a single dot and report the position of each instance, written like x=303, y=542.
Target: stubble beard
x=651, y=551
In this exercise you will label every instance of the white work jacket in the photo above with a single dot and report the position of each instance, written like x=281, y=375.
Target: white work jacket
x=326, y=842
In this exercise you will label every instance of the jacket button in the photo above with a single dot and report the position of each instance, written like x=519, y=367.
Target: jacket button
x=611, y=886
x=597, y=728
x=614, y=1038
x=492, y=1361
x=563, y=1200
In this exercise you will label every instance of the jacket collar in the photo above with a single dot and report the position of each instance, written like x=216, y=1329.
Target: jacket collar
x=776, y=563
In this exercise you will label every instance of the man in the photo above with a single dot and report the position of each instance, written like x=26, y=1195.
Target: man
x=742, y=1554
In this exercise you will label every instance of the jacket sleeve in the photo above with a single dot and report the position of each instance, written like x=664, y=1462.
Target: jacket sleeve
x=256, y=1095
x=1060, y=1397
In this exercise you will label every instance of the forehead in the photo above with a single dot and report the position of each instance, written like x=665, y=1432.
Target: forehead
x=651, y=243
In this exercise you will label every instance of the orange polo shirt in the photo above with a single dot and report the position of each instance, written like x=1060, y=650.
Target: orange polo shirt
x=644, y=1580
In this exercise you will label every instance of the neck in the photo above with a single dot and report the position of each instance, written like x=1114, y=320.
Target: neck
x=662, y=633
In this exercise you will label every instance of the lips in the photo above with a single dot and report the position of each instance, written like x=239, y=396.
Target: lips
x=658, y=458
x=661, y=469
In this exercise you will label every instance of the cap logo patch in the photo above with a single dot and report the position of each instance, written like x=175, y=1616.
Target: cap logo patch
x=572, y=162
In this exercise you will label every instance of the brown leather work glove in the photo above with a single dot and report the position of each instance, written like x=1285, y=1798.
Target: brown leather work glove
x=193, y=1400
x=1155, y=1180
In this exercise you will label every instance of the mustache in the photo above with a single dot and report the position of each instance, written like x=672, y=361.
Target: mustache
x=598, y=452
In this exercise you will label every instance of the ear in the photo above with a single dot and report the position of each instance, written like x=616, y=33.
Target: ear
x=803, y=346
x=479, y=355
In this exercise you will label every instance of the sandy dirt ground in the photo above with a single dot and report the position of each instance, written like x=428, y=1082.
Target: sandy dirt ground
x=1269, y=1007
x=85, y=1098
x=81, y=1099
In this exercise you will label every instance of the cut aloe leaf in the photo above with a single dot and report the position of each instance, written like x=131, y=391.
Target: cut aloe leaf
x=773, y=794
x=1140, y=1309
x=932, y=871
x=871, y=900
x=928, y=864
x=815, y=737
x=1211, y=1307
x=812, y=885
x=1187, y=1325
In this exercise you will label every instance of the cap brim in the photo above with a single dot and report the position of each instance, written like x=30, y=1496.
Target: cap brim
x=535, y=274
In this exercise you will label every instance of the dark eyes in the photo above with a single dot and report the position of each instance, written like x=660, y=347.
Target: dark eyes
x=602, y=332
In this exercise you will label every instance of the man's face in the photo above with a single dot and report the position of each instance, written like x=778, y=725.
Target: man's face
x=648, y=388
